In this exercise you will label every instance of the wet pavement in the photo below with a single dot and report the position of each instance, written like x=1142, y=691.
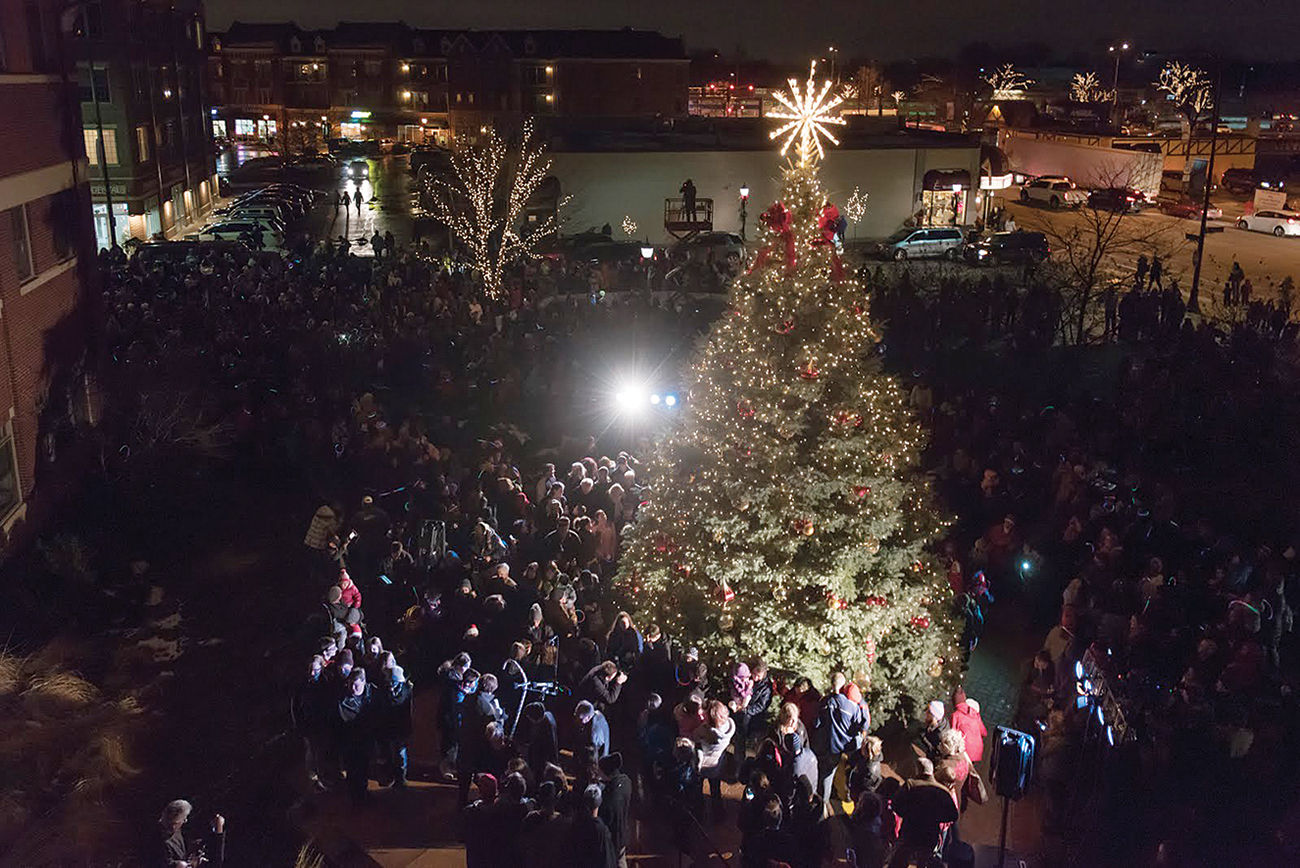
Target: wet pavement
x=385, y=198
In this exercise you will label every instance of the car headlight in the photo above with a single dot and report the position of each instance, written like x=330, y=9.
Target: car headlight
x=982, y=253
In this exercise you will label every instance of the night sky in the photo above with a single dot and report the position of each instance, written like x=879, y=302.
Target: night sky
x=794, y=29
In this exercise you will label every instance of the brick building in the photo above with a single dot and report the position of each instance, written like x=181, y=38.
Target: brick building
x=295, y=87
x=140, y=70
x=47, y=265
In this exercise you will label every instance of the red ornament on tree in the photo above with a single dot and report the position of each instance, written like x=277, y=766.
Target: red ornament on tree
x=724, y=591
x=744, y=408
x=861, y=491
x=810, y=371
x=785, y=327
x=922, y=622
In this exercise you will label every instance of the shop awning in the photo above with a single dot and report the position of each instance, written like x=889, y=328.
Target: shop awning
x=946, y=179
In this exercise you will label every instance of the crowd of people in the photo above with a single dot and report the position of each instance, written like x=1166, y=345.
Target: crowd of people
x=1107, y=500
x=382, y=378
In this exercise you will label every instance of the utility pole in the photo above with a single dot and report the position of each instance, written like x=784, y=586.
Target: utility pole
x=1194, y=297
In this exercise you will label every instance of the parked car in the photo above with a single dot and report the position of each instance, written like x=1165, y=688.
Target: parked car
x=723, y=245
x=1280, y=223
x=259, y=216
x=358, y=170
x=1054, y=191
x=1005, y=248
x=923, y=244
x=1117, y=200
x=1189, y=209
x=240, y=230
x=1245, y=181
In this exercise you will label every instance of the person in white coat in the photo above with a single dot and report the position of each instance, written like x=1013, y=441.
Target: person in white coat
x=711, y=741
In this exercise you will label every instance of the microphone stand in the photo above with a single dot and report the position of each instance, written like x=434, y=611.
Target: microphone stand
x=523, y=693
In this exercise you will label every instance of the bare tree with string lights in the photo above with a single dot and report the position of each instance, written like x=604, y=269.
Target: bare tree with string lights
x=1008, y=82
x=484, y=199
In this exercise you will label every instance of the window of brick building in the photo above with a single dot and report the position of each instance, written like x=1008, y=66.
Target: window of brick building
x=22, y=243
x=142, y=144
x=64, y=217
x=94, y=83
x=10, y=495
x=92, y=146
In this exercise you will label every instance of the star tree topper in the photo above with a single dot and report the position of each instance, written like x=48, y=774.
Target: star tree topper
x=809, y=115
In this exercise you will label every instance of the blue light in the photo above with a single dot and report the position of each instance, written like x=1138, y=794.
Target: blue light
x=1101, y=717
x=1078, y=669
x=1110, y=735
x=1080, y=701
x=670, y=400
x=1025, y=565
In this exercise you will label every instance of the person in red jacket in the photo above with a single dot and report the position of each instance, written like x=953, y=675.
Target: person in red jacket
x=966, y=720
x=351, y=596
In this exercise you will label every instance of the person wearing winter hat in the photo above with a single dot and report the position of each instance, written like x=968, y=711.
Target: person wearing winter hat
x=936, y=725
x=966, y=720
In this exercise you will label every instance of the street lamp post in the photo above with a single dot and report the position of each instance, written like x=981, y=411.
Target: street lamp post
x=744, y=208
x=832, y=51
x=1116, y=50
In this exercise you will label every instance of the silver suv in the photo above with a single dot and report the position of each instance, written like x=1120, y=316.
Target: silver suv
x=924, y=244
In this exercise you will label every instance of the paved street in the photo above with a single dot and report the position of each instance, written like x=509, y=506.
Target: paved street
x=1265, y=259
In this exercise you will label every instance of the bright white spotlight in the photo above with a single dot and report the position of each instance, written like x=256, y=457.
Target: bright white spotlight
x=1101, y=715
x=631, y=400
x=1110, y=735
x=654, y=399
x=1078, y=669
x=670, y=400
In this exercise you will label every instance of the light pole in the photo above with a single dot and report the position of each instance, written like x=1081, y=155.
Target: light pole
x=1116, y=50
x=832, y=50
x=744, y=208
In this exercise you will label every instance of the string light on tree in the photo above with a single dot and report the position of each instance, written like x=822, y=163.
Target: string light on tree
x=809, y=112
x=856, y=207
x=483, y=199
x=1008, y=82
x=792, y=484
x=629, y=225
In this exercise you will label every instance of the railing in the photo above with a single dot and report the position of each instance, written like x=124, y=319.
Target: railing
x=679, y=218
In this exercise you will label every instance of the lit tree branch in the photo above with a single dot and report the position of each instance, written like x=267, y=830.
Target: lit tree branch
x=1008, y=82
x=1189, y=89
x=483, y=203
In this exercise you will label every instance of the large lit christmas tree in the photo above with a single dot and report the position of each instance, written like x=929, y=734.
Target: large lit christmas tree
x=788, y=518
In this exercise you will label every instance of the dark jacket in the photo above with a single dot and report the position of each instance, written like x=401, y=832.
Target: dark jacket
x=615, y=809
x=590, y=844
x=923, y=805
x=768, y=845
x=393, y=710
x=543, y=743
x=839, y=723
x=760, y=700
x=599, y=690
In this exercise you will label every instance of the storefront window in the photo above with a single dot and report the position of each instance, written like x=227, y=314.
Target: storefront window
x=245, y=127
x=219, y=129
x=943, y=207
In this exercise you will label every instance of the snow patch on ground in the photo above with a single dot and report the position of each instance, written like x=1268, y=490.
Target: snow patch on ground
x=171, y=622
x=164, y=650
